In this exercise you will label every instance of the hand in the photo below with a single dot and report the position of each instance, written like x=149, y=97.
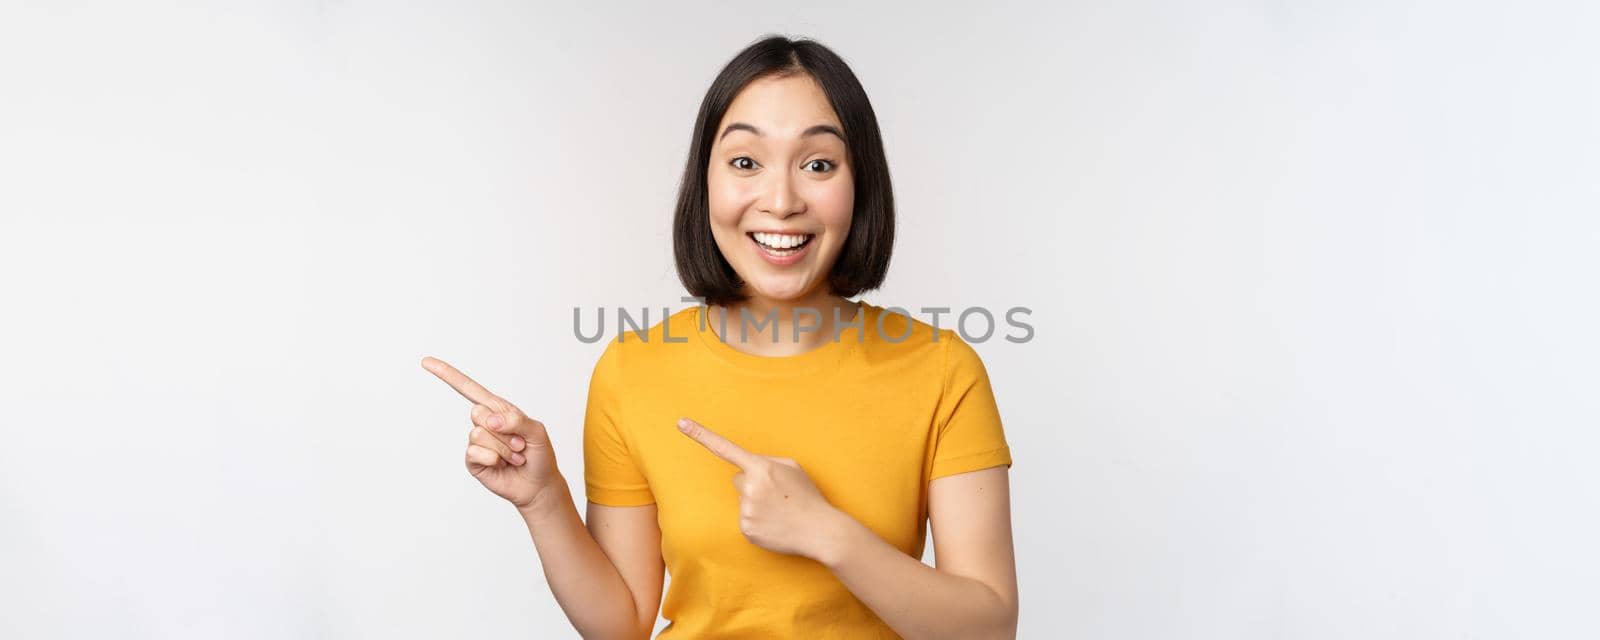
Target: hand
x=507, y=451
x=780, y=509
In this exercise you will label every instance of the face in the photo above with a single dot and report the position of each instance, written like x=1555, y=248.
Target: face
x=779, y=187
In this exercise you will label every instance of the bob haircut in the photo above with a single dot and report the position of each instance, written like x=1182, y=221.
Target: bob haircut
x=863, y=260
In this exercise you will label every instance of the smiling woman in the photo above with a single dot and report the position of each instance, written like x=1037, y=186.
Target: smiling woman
x=774, y=522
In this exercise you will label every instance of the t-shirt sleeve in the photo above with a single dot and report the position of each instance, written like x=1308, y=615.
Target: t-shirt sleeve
x=969, y=436
x=610, y=476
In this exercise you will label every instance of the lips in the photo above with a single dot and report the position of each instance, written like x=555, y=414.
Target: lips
x=781, y=249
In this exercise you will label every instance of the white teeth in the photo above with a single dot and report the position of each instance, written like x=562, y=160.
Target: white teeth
x=779, y=241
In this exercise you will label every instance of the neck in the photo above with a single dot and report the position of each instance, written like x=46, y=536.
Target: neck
x=780, y=317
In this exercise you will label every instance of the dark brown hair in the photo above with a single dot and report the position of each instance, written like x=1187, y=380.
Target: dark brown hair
x=864, y=259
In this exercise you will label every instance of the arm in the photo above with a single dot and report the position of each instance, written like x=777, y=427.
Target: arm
x=972, y=593
x=607, y=578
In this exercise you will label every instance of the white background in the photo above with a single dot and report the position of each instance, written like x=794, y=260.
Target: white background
x=1313, y=286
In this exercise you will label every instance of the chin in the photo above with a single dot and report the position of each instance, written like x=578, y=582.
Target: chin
x=780, y=292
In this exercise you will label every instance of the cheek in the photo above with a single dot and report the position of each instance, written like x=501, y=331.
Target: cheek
x=727, y=198
x=833, y=202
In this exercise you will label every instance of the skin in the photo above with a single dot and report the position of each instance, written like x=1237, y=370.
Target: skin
x=607, y=575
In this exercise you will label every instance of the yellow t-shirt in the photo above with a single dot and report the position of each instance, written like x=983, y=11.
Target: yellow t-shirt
x=870, y=418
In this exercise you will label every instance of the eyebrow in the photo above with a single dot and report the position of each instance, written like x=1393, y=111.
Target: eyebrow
x=813, y=130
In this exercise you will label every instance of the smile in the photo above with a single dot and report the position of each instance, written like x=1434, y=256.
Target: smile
x=781, y=248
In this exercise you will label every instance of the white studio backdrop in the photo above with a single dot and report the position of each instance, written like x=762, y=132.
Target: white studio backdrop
x=1313, y=286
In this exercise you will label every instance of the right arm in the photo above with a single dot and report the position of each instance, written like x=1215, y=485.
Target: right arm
x=606, y=577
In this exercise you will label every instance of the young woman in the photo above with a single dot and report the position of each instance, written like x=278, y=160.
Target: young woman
x=779, y=449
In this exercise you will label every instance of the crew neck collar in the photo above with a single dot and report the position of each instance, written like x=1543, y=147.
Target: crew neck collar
x=822, y=358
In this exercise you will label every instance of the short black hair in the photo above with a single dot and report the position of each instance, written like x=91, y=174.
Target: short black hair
x=864, y=259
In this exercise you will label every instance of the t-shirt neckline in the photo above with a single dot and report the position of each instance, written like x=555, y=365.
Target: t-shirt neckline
x=821, y=358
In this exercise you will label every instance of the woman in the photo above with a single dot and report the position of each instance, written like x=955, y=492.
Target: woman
x=814, y=435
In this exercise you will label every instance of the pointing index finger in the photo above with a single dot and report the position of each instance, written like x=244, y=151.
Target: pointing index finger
x=467, y=387
x=722, y=447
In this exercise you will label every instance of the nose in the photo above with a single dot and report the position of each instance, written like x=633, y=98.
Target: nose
x=780, y=198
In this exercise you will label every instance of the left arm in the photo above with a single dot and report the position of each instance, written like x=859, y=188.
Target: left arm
x=972, y=593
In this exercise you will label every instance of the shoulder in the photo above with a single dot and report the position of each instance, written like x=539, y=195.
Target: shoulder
x=897, y=334
x=629, y=347
x=963, y=367
x=900, y=332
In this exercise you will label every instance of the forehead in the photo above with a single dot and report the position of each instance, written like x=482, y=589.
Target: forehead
x=783, y=105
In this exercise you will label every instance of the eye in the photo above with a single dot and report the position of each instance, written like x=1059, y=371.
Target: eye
x=819, y=165
x=744, y=163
